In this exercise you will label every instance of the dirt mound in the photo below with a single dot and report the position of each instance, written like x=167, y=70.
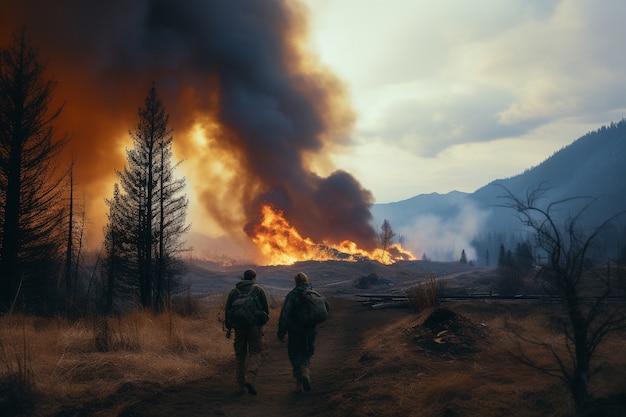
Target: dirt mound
x=367, y=282
x=447, y=334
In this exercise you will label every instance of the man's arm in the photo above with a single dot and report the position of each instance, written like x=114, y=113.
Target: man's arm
x=229, y=302
x=263, y=300
x=285, y=316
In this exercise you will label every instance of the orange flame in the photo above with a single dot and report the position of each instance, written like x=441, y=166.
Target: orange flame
x=281, y=244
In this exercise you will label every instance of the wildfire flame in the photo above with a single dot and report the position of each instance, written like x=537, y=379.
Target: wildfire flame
x=281, y=244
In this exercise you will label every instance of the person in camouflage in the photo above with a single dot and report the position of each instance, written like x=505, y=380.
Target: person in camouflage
x=248, y=340
x=301, y=339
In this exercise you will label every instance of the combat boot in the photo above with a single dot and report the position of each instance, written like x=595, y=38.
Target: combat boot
x=250, y=378
x=298, y=388
x=305, y=378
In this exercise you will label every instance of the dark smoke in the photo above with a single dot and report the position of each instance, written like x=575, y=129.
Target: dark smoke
x=236, y=68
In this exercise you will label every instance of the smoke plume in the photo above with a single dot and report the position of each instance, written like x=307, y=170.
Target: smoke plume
x=254, y=114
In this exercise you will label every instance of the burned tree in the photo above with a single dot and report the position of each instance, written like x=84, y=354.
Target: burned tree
x=31, y=240
x=586, y=293
x=385, y=236
x=74, y=229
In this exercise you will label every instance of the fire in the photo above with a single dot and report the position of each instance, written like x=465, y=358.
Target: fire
x=281, y=244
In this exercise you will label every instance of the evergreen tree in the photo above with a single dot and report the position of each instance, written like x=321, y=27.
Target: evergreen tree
x=524, y=256
x=147, y=218
x=113, y=263
x=502, y=256
x=31, y=215
x=171, y=222
x=463, y=259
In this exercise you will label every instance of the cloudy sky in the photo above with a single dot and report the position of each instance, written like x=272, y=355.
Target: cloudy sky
x=450, y=94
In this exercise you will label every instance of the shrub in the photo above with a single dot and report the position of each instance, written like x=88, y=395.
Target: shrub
x=423, y=296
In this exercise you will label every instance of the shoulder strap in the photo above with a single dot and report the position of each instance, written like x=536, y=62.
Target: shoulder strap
x=254, y=292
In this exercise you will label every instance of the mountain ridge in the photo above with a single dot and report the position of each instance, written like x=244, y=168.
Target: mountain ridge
x=592, y=166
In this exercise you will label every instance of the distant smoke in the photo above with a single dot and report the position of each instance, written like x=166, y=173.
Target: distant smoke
x=441, y=231
x=233, y=69
x=443, y=239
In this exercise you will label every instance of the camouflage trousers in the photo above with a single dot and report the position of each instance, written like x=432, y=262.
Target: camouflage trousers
x=300, y=348
x=248, y=348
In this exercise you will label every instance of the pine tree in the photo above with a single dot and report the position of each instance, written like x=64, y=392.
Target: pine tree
x=502, y=256
x=524, y=256
x=147, y=219
x=171, y=222
x=31, y=239
x=113, y=263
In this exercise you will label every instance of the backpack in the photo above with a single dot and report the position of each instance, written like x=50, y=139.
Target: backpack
x=312, y=309
x=245, y=310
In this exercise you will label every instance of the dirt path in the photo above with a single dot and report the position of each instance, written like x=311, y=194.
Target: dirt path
x=338, y=342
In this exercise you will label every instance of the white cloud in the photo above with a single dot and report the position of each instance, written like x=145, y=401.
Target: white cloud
x=429, y=77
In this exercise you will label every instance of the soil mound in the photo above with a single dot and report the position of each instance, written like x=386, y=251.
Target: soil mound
x=447, y=334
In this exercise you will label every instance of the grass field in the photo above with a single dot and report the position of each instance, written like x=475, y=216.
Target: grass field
x=396, y=366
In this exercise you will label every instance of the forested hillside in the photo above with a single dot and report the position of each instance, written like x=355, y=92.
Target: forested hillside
x=592, y=167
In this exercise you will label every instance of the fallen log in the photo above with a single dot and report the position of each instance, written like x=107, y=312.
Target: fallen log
x=392, y=304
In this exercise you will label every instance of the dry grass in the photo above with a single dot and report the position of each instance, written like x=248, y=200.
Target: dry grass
x=488, y=382
x=61, y=363
x=17, y=383
x=424, y=295
x=95, y=357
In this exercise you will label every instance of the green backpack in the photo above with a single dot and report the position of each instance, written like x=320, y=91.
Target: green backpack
x=246, y=310
x=312, y=309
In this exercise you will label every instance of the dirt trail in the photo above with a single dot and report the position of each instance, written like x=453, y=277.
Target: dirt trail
x=338, y=342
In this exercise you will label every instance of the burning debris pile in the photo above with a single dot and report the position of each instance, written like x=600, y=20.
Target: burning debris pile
x=446, y=333
x=281, y=243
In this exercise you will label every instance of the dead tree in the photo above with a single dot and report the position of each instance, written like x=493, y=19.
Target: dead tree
x=385, y=236
x=584, y=292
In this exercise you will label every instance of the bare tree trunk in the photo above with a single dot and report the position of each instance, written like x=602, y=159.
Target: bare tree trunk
x=69, y=250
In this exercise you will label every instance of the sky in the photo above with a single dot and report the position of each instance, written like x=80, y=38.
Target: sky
x=321, y=108
x=450, y=95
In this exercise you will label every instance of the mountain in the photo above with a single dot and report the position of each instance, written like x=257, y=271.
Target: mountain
x=441, y=224
x=592, y=166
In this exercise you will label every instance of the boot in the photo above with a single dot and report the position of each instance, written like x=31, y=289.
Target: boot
x=250, y=378
x=241, y=371
x=305, y=378
x=298, y=388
